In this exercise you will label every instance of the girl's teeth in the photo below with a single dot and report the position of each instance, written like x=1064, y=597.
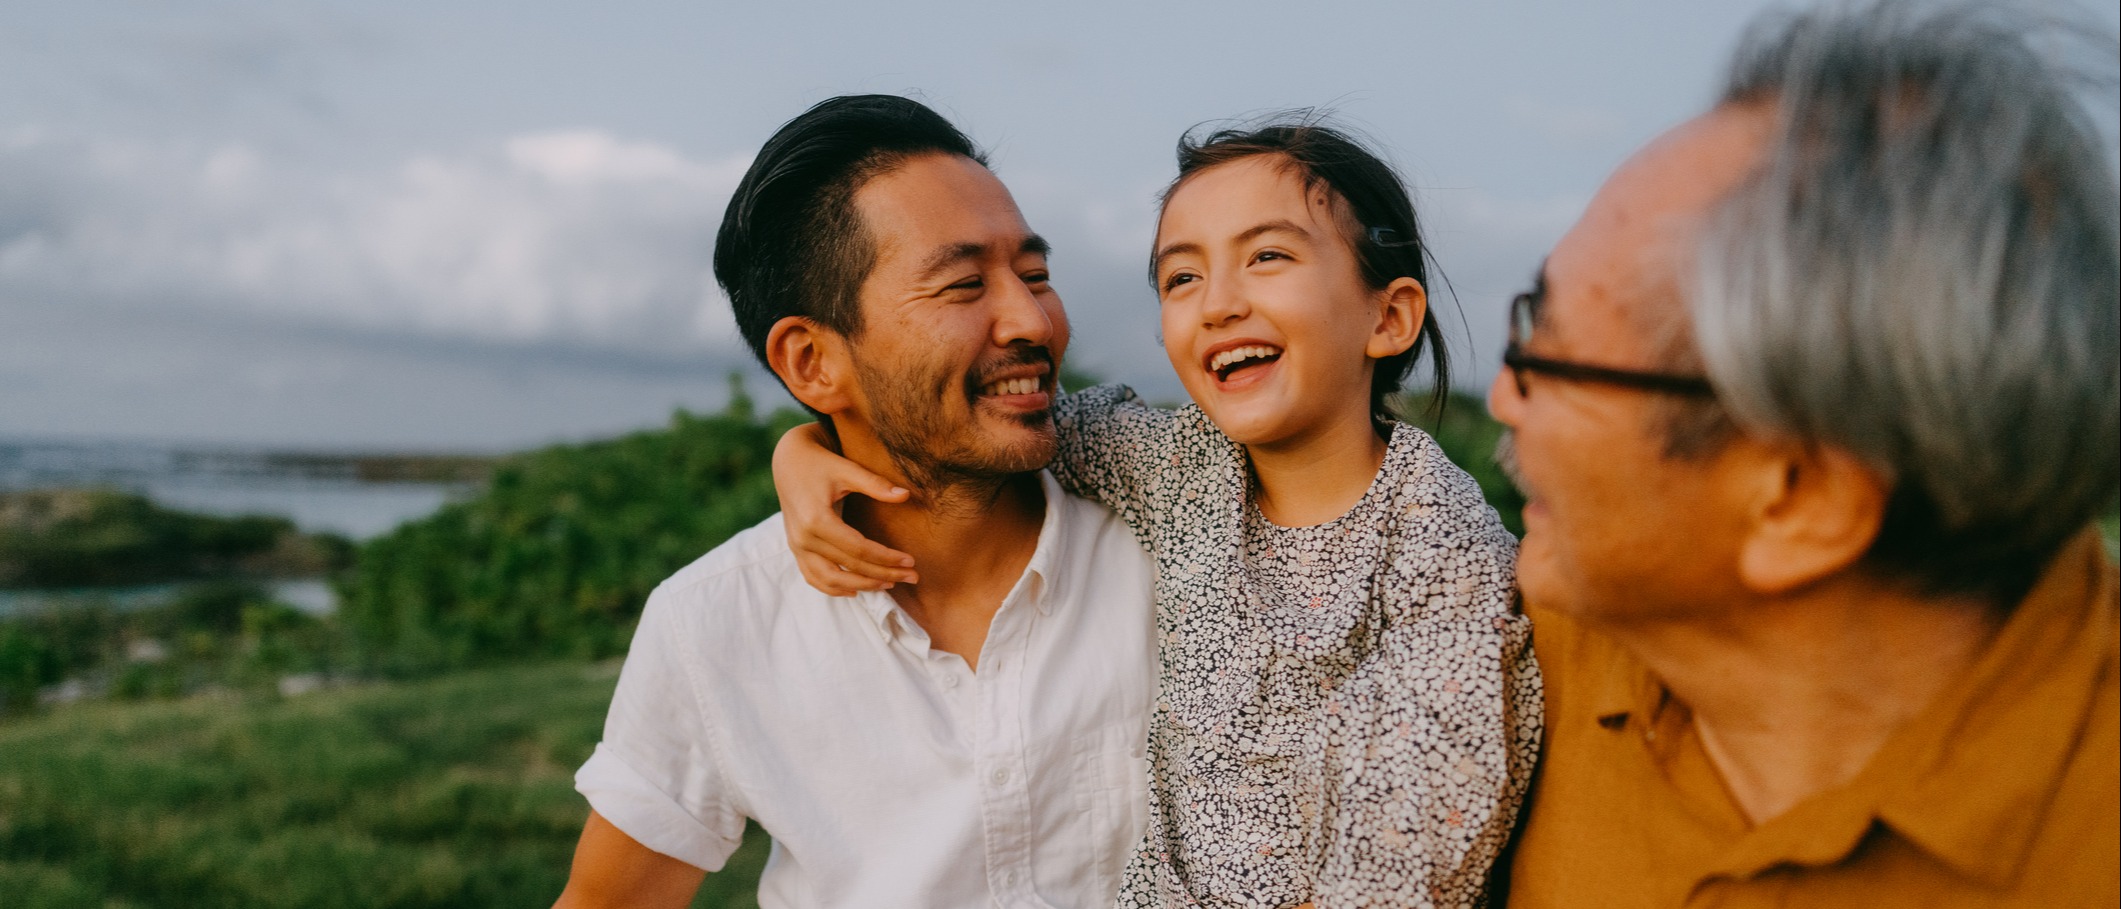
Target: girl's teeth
x=1236, y=354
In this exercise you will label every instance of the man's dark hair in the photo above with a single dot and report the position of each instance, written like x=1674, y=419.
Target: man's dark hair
x=792, y=243
x=1378, y=222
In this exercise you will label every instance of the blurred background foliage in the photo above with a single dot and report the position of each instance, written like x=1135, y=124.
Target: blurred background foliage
x=557, y=556
x=102, y=537
x=414, y=748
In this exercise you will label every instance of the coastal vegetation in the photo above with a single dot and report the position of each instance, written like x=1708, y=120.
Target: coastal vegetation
x=557, y=555
x=222, y=635
x=105, y=537
x=442, y=793
x=414, y=748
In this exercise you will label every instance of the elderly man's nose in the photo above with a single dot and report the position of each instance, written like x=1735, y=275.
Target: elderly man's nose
x=1503, y=397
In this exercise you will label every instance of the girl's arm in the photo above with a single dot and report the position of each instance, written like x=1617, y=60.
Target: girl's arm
x=1118, y=451
x=811, y=479
x=1112, y=448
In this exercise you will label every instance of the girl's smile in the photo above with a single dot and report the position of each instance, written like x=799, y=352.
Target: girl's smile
x=1266, y=317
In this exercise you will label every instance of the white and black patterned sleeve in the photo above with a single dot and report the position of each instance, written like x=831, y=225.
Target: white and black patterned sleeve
x=1115, y=449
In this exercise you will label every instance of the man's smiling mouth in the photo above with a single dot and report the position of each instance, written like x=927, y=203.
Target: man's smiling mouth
x=1022, y=386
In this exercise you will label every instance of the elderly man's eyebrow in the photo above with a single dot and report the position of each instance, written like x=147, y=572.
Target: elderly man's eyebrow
x=1278, y=225
x=948, y=256
x=1538, y=293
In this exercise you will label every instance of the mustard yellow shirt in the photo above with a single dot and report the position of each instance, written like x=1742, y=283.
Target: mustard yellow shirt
x=2004, y=792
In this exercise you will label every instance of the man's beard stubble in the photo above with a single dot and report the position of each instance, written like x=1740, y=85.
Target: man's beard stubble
x=938, y=458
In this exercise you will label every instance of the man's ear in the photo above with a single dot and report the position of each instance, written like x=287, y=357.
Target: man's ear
x=813, y=361
x=1815, y=512
x=1402, y=306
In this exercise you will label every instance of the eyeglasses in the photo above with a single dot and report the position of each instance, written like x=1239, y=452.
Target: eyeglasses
x=1523, y=313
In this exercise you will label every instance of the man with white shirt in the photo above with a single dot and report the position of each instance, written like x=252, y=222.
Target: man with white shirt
x=972, y=739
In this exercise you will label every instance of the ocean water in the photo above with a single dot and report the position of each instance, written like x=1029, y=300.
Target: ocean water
x=320, y=493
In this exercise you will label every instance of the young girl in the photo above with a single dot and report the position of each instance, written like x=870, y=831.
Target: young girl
x=1348, y=708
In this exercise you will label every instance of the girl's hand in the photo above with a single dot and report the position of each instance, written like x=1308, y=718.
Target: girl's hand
x=811, y=478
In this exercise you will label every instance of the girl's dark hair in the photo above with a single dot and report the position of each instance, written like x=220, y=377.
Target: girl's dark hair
x=1380, y=226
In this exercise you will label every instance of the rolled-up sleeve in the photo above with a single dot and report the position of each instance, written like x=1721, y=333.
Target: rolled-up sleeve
x=657, y=775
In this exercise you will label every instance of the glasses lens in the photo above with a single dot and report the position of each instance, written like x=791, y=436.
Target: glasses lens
x=1521, y=320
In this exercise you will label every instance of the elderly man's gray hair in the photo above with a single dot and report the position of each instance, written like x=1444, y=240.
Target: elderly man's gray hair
x=1924, y=273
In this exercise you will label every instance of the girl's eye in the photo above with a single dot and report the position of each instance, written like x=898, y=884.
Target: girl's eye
x=1177, y=278
x=1268, y=255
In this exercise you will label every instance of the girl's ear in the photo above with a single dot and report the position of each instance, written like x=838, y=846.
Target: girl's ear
x=1401, y=308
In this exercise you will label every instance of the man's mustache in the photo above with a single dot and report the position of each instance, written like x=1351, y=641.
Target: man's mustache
x=1013, y=358
x=1506, y=458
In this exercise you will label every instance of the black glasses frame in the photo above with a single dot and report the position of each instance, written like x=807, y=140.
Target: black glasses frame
x=1519, y=363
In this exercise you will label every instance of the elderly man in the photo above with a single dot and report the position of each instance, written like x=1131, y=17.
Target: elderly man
x=1814, y=409
x=974, y=739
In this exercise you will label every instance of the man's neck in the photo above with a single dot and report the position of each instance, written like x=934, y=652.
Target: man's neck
x=970, y=539
x=1794, y=696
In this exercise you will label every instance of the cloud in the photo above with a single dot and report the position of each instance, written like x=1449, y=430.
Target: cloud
x=559, y=237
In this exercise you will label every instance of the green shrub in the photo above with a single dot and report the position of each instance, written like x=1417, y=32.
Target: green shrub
x=453, y=792
x=103, y=537
x=558, y=553
x=226, y=634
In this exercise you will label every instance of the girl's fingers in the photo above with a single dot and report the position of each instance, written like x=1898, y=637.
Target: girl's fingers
x=850, y=558
x=846, y=546
x=854, y=479
x=831, y=580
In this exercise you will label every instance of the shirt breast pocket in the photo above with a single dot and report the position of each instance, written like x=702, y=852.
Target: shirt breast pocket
x=1112, y=770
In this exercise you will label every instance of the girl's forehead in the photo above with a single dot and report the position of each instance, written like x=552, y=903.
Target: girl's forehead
x=1235, y=196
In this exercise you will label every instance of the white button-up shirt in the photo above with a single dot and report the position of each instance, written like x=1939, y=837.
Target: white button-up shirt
x=888, y=773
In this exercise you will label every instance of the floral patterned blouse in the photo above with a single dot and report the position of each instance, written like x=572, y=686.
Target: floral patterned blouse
x=1347, y=713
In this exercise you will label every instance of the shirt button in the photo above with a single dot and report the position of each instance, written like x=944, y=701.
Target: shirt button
x=1001, y=776
x=949, y=681
x=1008, y=878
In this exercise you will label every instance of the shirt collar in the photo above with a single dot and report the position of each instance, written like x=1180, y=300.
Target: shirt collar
x=1969, y=779
x=1043, y=580
x=1984, y=763
x=1051, y=555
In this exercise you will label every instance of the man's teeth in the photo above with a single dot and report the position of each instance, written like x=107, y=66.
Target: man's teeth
x=1236, y=354
x=1012, y=387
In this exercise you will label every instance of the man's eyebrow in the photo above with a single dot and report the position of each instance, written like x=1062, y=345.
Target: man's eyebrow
x=1538, y=293
x=1278, y=225
x=945, y=257
x=948, y=256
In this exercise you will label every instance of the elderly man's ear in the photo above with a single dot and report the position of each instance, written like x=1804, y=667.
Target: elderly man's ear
x=814, y=361
x=1814, y=513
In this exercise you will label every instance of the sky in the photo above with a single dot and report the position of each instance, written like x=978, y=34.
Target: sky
x=482, y=225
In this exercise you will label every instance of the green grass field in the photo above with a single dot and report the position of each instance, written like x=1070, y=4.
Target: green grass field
x=453, y=792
